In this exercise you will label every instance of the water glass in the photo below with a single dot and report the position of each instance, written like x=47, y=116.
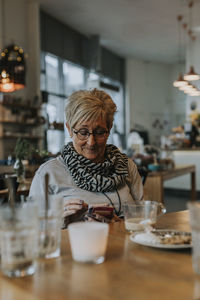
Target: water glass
x=18, y=236
x=50, y=222
x=194, y=212
x=88, y=241
x=138, y=217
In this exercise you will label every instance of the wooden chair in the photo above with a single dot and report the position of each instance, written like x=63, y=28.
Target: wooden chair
x=143, y=171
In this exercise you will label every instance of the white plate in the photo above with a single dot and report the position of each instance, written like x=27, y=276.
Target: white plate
x=160, y=245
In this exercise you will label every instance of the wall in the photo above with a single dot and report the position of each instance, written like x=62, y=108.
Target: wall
x=152, y=101
x=179, y=99
x=192, y=58
x=61, y=40
x=21, y=27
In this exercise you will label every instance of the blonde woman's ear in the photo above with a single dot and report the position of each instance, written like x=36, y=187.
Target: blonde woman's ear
x=69, y=129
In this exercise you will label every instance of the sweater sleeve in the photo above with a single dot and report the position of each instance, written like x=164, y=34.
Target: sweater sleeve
x=135, y=181
x=37, y=185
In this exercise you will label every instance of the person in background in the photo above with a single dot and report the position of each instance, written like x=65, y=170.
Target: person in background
x=89, y=171
x=193, y=135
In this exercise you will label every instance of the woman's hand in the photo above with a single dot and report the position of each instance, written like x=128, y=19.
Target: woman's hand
x=73, y=210
x=73, y=206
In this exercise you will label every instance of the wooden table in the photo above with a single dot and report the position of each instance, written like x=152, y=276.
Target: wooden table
x=154, y=183
x=130, y=272
x=23, y=189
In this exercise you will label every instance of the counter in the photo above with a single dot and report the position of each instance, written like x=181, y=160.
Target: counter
x=182, y=157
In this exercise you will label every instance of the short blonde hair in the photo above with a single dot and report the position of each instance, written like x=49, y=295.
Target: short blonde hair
x=89, y=105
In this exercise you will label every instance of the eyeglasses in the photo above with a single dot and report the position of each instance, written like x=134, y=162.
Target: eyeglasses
x=83, y=134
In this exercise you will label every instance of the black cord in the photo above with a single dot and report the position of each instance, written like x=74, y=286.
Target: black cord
x=119, y=210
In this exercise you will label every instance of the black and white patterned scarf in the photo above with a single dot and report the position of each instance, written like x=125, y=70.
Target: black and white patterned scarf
x=97, y=177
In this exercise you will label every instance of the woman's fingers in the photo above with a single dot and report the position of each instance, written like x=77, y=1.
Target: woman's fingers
x=68, y=213
x=73, y=210
x=72, y=207
x=74, y=201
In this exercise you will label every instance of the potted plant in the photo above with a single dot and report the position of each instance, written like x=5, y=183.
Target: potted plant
x=23, y=150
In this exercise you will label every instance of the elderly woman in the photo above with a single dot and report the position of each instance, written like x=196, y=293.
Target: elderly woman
x=88, y=170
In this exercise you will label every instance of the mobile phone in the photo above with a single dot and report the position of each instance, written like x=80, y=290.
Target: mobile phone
x=106, y=211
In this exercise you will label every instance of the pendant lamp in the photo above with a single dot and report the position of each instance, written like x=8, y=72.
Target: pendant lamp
x=191, y=75
x=180, y=81
x=186, y=87
x=12, y=69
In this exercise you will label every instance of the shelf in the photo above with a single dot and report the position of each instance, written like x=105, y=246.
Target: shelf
x=22, y=106
x=21, y=136
x=53, y=129
x=20, y=123
x=20, y=120
x=56, y=126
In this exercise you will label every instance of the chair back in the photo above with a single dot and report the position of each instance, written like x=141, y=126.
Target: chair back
x=143, y=171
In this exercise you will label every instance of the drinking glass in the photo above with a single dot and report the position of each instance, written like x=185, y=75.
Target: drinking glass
x=50, y=222
x=88, y=241
x=194, y=213
x=139, y=217
x=18, y=236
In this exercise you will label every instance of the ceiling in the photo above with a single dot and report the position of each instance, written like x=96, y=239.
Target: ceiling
x=143, y=29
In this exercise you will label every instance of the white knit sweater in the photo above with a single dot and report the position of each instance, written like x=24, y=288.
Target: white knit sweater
x=62, y=184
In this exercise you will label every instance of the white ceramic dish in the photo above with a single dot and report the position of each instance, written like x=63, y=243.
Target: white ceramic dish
x=161, y=233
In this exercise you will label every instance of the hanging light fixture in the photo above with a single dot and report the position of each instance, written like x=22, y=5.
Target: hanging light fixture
x=191, y=75
x=194, y=93
x=191, y=91
x=12, y=63
x=187, y=87
x=180, y=81
x=12, y=69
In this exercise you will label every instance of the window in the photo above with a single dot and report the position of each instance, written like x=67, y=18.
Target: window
x=52, y=74
x=73, y=78
x=59, y=78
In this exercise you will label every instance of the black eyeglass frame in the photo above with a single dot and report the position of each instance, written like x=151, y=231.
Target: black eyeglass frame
x=88, y=133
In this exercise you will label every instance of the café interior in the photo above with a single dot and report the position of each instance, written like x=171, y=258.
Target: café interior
x=145, y=55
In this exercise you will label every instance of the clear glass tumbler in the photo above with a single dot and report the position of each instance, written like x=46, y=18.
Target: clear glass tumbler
x=138, y=217
x=19, y=229
x=50, y=223
x=194, y=212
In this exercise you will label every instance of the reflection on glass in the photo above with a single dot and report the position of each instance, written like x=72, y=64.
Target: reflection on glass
x=52, y=73
x=55, y=140
x=73, y=78
x=42, y=82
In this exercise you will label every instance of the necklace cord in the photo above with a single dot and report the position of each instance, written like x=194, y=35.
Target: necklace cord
x=111, y=202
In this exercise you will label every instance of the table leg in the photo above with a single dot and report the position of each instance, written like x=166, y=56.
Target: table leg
x=193, y=186
x=153, y=189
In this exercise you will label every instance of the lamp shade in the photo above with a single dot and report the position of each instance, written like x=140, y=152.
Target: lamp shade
x=180, y=81
x=194, y=93
x=12, y=69
x=187, y=87
x=192, y=75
